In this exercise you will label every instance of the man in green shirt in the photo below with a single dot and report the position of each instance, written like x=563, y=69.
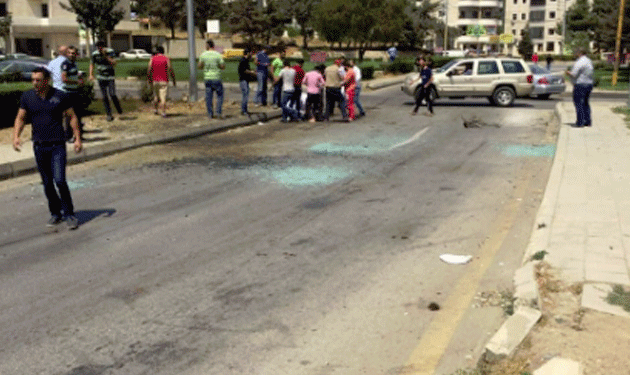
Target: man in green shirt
x=103, y=64
x=277, y=64
x=212, y=63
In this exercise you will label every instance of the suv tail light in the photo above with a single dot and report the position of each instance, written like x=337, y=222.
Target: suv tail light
x=530, y=78
x=543, y=81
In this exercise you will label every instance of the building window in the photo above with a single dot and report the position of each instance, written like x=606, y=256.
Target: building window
x=3, y=9
x=487, y=13
x=551, y=31
x=524, y=1
x=540, y=47
x=515, y=1
x=514, y=16
x=523, y=16
x=550, y=46
x=537, y=15
x=475, y=14
x=552, y=15
x=536, y=33
x=513, y=31
x=462, y=14
x=44, y=10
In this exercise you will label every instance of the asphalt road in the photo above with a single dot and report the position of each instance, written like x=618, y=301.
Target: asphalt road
x=279, y=249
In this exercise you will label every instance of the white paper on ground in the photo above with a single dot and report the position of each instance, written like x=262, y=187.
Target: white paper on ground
x=455, y=259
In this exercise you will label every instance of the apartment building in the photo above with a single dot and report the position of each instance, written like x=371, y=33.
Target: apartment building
x=40, y=26
x=481, y=23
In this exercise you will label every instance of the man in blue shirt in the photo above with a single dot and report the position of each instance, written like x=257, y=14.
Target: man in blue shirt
x=262, y=74
x=46, y=107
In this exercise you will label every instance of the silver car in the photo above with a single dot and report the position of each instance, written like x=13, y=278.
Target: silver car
x=546, y=82
x=500, y=79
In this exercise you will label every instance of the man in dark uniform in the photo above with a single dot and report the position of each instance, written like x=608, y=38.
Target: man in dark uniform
x=46, y=107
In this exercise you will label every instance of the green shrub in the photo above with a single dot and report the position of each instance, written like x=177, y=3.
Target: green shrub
x=138, y=71
x=11, y=77
x=367, y=72
x=400, y=66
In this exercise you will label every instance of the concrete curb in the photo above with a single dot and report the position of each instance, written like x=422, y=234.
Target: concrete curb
x=27, y=166
x=527, y=294
x=385, y=83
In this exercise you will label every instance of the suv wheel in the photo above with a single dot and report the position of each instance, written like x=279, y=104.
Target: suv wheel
x=433, y=94
x=503, y=96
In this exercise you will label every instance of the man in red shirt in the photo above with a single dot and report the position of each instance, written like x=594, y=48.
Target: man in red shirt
x=157, y=75
x=297, y=93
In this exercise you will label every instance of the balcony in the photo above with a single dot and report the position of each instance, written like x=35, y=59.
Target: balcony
x=478, y=21
x=480, y=3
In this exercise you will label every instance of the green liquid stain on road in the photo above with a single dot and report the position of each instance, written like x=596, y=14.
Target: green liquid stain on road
x=368, y=147
x=303, y=176
x=520, y=151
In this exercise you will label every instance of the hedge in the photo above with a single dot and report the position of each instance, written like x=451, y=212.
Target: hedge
x=10, y=94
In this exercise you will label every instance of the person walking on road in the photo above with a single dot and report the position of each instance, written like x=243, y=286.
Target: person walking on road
x=212, y=64
x=71, y=86
x=349, y=84
x=46, y=106
x=54, y=66
x=287, y=77
x=262, y=75
x=357, y=91
x=245, y=76
x=582, y=77
x=314, y=82
x=333, y=90
x=424, y=92
x=158, y=72
x=103, y=62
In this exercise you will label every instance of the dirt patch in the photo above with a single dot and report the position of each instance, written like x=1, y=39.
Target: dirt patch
x=599, y=341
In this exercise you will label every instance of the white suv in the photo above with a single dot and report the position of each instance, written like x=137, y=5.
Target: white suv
x=499, y=79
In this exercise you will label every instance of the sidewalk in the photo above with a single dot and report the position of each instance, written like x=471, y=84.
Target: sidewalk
x=584, y=218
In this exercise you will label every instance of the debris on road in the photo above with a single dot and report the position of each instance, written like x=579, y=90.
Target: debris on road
x=455, y=259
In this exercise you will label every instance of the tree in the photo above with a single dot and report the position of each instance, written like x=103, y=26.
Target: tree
x=605, y=14
x=5, y=26
x=392, y=17
x=580, y=21
x=206, y=10
x=99, y=16
x=525, y=46
x=273, y=21
x=244, y=16
x=332, y=20
x=170, y=12
x=424, y=20
x=303, y=11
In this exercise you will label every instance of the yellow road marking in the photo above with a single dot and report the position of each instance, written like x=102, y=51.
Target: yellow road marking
x=426, y=356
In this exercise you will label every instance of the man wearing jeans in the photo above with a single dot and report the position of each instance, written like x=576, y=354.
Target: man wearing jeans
x=582, y=77
x=46, y=107
x=103, y=62
x=262, y=75
x=212, y=64
x=245, y=75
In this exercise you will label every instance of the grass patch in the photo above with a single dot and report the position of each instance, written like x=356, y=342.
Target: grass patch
x=128, y=105
x=625, y=111
x=620, y=297
x=603, y=77
x=124, y=68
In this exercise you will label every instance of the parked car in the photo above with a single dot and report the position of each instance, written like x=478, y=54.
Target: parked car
x=21, y=68
x=135, y=54
x=546, y=82
x=499, y=79
x=23, y=56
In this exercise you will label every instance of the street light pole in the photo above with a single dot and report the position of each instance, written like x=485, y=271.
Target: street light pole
x=445, y=44
x=564, y=28
x=192, y=59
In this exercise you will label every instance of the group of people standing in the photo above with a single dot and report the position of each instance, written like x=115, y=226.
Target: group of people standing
x=338, y=84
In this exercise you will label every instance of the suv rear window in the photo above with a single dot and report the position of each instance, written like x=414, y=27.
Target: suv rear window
x=512, y=67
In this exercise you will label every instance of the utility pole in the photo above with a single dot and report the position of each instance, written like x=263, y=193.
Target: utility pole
x=618, y=41
x=192, y=57
x=445, y=44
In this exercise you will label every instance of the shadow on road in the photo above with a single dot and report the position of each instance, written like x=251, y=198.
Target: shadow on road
x=85, y=216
